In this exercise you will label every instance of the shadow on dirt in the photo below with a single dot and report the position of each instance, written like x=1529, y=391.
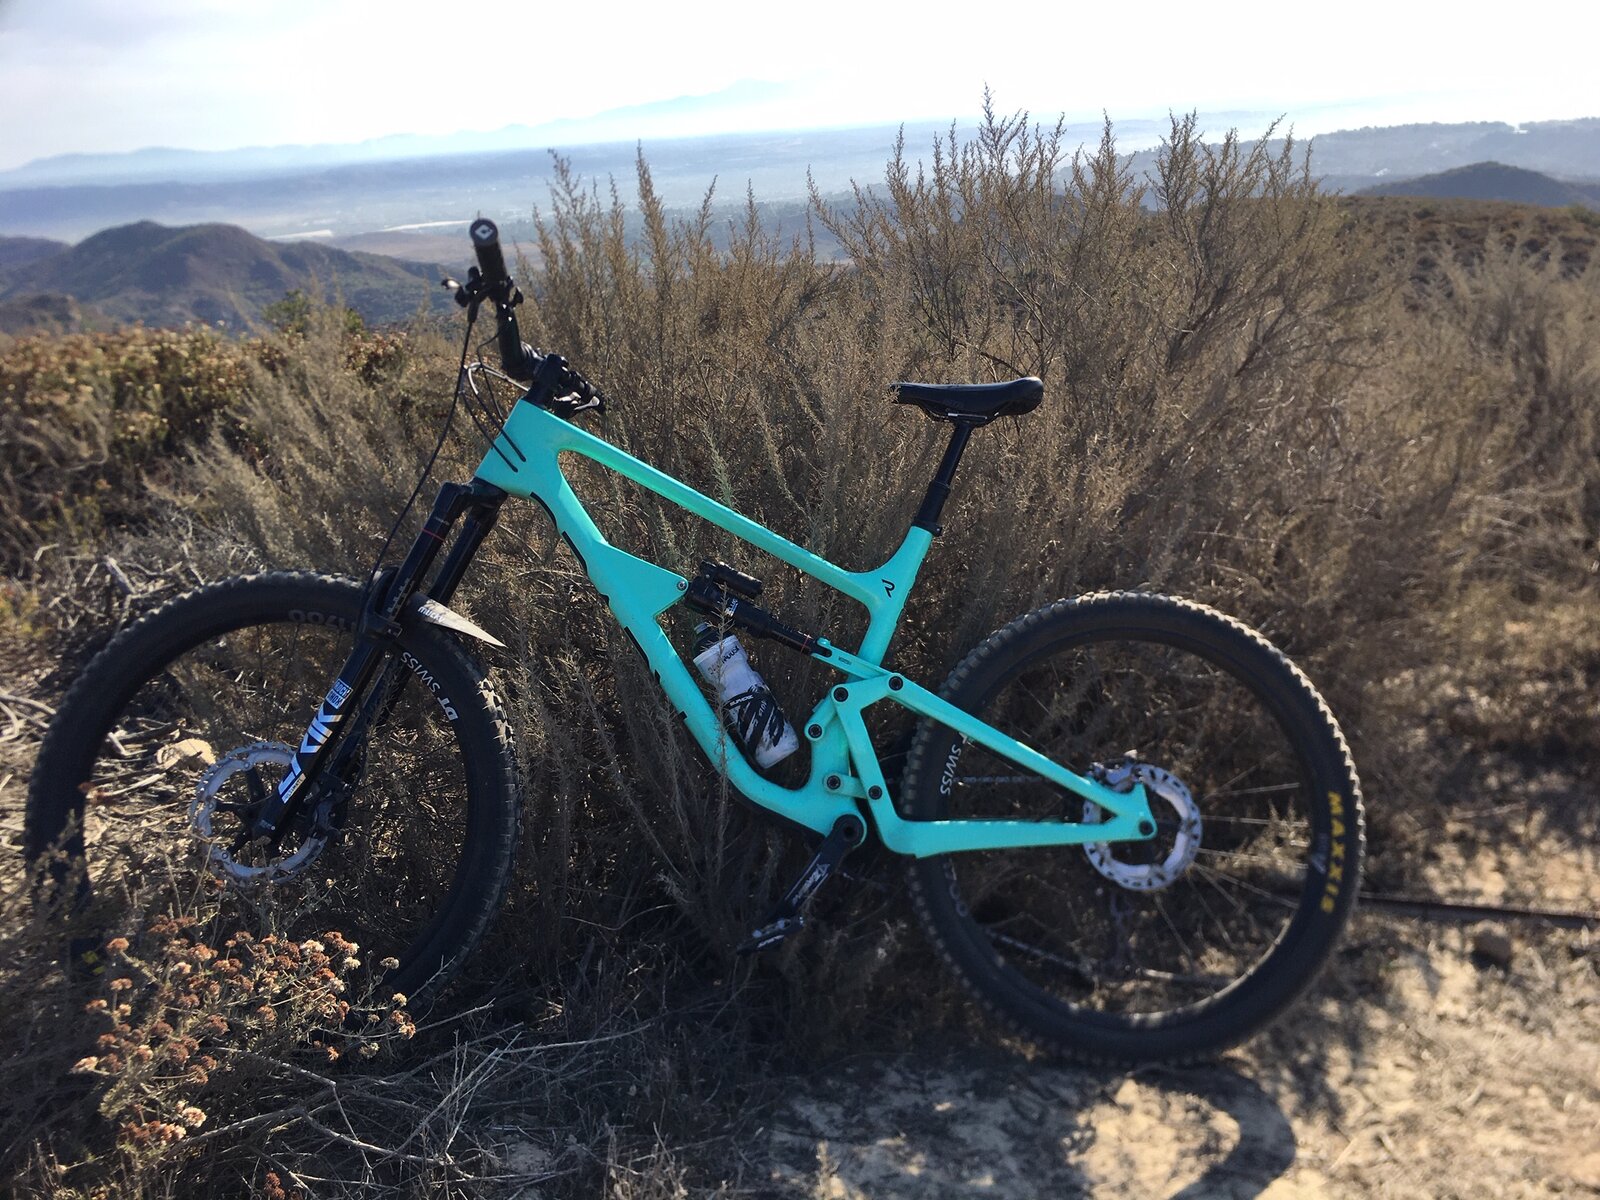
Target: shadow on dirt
x=1265, y=1146
x=994, y=1124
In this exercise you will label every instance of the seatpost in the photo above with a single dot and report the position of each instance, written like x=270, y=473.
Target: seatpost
x=939, y=490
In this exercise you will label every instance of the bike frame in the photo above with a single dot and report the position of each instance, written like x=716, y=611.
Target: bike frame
x=525, y=461
x=846, y=778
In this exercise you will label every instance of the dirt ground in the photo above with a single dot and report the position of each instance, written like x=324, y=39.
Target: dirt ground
x=1420, y=1067
x=1462, y=1085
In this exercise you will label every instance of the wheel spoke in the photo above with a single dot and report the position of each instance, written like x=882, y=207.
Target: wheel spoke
x=228, y=697
x=1137, y=928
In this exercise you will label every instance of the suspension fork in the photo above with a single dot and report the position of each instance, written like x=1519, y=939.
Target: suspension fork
x=329, y=743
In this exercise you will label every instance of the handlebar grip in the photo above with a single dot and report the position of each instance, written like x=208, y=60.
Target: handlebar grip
x=517, y=358
x=491, y=259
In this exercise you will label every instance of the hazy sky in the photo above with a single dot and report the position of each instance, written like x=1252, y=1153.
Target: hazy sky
x=101, y=75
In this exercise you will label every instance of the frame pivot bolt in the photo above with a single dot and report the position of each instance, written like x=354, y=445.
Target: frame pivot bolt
x=840, y=693
x=1146, y=828
x=874, y=792
x=896, y=683
x=813, y=731
x=832, y=782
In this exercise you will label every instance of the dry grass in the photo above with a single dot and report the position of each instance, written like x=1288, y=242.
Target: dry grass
x=1246, y=403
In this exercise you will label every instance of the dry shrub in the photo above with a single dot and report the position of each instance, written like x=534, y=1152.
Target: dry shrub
x=202, y=1063
x=86, y=419
x=90, y=422
x=1489, y=398
x=1241, y=406
x=112, y=1075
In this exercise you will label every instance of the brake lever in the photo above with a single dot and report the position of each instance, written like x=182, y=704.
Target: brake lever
x=477, y=289
x=568, y=408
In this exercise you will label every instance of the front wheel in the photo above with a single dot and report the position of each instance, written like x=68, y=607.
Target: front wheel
x=1170, y=949
x=193, y=713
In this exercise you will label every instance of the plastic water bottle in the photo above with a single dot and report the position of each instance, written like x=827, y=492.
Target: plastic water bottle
x=752, y=709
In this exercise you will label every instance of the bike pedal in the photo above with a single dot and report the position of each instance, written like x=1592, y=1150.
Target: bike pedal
x=771, y=935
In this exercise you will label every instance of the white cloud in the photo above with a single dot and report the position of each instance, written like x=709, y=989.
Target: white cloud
x=97, y=75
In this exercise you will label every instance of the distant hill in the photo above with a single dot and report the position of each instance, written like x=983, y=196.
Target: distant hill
x=47, y=314
x=1493, y=181
x=217, y=274
x=16, y=251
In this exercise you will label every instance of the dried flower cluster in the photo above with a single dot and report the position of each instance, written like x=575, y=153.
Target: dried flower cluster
x=179, y=1010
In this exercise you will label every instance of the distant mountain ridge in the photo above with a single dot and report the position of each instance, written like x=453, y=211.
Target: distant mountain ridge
x=1493, y=181
x=17, y=251
x=166, y=163
x=510, y=170
x=1569, y=148
x=216, y=274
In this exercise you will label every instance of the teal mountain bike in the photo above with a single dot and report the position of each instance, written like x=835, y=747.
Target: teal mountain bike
x=1130, y=826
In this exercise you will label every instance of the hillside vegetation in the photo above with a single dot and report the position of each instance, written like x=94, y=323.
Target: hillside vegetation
x=1253, y=399
x=212, y=274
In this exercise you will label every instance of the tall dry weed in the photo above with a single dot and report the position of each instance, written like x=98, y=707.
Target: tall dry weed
x=1240, y=406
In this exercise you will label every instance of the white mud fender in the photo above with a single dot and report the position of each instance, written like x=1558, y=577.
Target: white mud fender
x=434, y=613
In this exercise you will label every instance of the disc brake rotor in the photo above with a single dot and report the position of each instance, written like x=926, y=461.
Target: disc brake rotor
x=1149, y=877
x=209, y=801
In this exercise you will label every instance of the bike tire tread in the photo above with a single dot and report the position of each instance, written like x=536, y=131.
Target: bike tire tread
x=1172, y=1046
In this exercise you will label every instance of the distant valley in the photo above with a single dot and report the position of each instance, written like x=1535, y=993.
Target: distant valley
x=240, y=229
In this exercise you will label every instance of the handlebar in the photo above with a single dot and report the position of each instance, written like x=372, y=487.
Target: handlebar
x=517, y=359
x=555, y=384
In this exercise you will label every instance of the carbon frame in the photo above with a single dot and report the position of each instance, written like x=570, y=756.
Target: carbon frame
x=845, y=771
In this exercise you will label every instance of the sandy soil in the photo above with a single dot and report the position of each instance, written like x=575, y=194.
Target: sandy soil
x=1466, y=1081
x=1419, y=1068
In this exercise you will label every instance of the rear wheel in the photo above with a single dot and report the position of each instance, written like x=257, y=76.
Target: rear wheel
x=186, y=718
x=1139, y=951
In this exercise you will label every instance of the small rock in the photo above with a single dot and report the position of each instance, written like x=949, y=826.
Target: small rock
x=525, y=1158
x=171, y=755
x=1493, y=946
